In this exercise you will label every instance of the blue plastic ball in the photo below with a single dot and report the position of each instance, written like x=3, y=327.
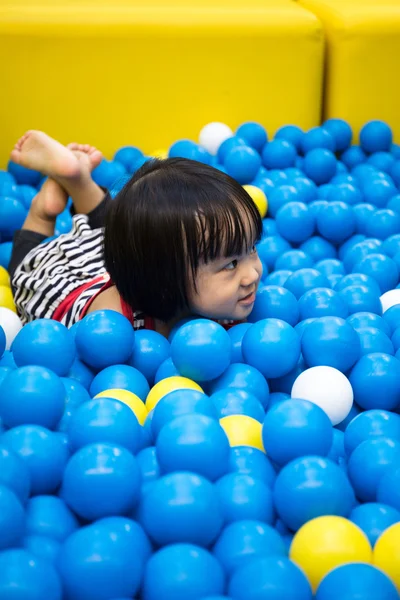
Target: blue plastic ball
x=371, y=424
x=121, y=549
x=101, y=480
x=361, y=298
x=381, y=268
x=322, y=302
x=179, y=403
x=391, y=316
x=242, y=163
x=227, y=146
x=382, y=161
x=294, y=428
x=391, y=245
x=320, y=165
x=358, y=251
x=128, y=156
x=310, y=487
x=42, y=547
x=277, y=575
x=279, y=197
x=389, y=488
x=307, y=191
x=356, y=580
x=108, y=172
x=201, y=350
x=32, y=395
x=394, y=203
x=42, y=451
x=243, y=377
x=369, y=462
x=330, y=266
x=193, y=443
x=341, y=132
x=236, y=333
x=345, y=192
x=243, y=541
x=362, y=320
x=378, y=192
x=373, y=518
x=254, y=134
x=50, y=517
x=81, y=373
x=182, y=572
x=121, y=377
x=290, y=133
x=295, y=222
x=330, y=341
x=276, y=302
x=373, y=339
x=14, y=474
x=104, y=420
x=382, y=224
x=293, y=260
x=270, y=248
x=337, y=452
x=238, y=402
x=12, y=519
x=336, y=222
x=23, y=175
x=353, y=156
x=150, y=349
x=376, y=136
x=271, y=346
x=305, y=280
x=166, y=369
x=5, y=254
x=372, y=374
x=317, y=138
x=104, y=338
x=280, y=276
x=181, y=507
x=12, y=215
x=243, y=497
x=23, y=575
x=246, y=460
x=363, y=213
x=148, y=465
x=279, y=154
x=318, y=248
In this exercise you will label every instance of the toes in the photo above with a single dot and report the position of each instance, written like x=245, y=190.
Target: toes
x=15, y=155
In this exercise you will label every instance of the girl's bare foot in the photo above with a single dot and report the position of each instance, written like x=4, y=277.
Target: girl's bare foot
x=36, y=150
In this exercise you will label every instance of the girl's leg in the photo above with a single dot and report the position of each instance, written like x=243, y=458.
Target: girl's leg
x=45, y=207
x=70, y=167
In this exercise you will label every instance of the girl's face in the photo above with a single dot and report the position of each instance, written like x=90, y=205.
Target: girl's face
x=226, y=287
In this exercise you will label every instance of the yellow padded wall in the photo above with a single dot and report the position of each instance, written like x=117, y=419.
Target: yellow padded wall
x=363, y=59
x=128, y=73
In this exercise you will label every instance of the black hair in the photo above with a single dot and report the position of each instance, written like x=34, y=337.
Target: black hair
x=168, y=218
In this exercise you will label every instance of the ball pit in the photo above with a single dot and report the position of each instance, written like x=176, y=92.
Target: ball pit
x=192, y=466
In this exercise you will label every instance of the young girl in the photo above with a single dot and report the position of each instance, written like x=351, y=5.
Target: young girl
x=178, y=239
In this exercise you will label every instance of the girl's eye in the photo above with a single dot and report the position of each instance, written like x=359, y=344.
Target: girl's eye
x=253, y=250
x=231, y=266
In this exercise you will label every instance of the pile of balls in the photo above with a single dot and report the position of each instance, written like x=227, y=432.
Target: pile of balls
x=258, y=463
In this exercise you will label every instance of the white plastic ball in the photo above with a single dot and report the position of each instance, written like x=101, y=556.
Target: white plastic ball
x=212, y=136
x=328, y=388
x=10, y=323
x=389, y=299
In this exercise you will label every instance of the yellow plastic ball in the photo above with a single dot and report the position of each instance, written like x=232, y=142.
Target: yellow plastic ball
x=4, y=277
x=159, y=153
x=130, y=399
x=259, y=198
x=387, y=553
x=165, y=386
x=242, y=430
x=6, y=298
x=327, y=542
